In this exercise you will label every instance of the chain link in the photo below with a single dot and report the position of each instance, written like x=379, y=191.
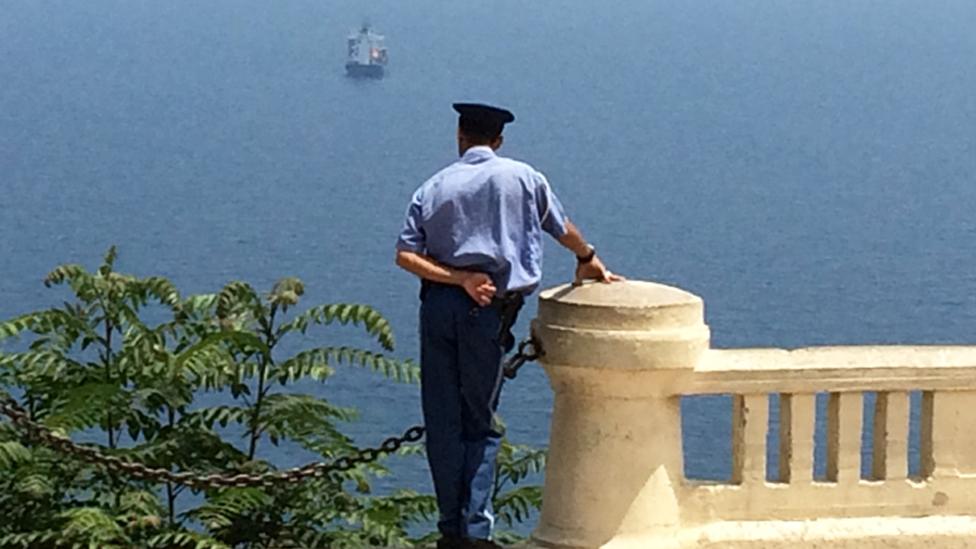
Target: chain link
x=528, y=350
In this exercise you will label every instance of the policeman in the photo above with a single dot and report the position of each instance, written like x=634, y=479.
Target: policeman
x=473, y=234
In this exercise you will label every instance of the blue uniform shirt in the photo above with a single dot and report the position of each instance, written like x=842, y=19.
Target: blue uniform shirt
x=485, y=213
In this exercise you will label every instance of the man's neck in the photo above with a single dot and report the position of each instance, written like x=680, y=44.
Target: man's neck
x=477, y=153
x=482, y=145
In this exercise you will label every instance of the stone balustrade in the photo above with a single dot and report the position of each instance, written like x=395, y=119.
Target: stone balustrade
x=620, y=357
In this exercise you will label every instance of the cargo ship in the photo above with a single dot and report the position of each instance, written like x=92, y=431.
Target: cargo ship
x=366, y=57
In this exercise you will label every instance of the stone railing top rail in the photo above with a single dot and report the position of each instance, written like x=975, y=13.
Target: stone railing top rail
x=841, y=357
x=840, y=368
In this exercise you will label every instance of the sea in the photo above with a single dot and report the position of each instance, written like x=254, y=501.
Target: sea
x=808, y=168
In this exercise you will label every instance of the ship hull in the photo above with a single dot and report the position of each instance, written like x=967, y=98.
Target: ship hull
x=358, y=70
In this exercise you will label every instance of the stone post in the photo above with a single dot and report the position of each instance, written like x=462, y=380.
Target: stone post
x=615, y=355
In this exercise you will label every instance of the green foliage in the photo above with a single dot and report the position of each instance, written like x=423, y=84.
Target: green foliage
x=13, y=453
x=513, y=503
x=98, y=365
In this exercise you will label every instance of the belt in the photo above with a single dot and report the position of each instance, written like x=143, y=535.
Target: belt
x=498, y=301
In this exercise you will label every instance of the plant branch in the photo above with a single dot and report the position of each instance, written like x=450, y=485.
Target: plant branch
x=262, y=378
x=108, y=377
x=170, y=493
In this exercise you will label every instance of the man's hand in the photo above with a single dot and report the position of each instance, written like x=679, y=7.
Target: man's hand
x=479, y=286
x=595, y=270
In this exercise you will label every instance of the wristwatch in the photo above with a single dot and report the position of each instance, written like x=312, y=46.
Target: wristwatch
x=582, y=259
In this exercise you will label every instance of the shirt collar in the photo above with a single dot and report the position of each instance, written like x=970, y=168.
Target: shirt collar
x=477, y=154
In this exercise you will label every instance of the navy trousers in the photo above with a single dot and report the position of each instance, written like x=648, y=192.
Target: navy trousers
x=461, y=377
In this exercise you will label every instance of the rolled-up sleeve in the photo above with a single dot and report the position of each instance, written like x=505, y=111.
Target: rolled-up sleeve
x=412, y=237
x=551, y=213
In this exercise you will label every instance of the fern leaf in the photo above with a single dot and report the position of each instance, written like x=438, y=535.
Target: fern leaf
x=362, y=315
x=108, y=261
x=245, y=342
x=316, y=363
x=307, y=420
x=236, y=296
x=84, y=406
x=518, y=505
x=219, y=415
x=66, y=273
x=520, y=462
x=92, y=525
x=29, y=540
x=35, y=484
x=141, y=505
x=15, y=326
x=184, y=540
x=13, y=453
x=229, y=506
x=162, y=289
x=303, y=408
x=196, y=306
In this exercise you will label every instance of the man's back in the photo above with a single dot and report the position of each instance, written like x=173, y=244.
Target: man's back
x=485, y=213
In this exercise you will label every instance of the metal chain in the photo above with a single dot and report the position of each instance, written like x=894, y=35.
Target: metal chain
x=94, y=455
x=19, y=417
x=529, y=350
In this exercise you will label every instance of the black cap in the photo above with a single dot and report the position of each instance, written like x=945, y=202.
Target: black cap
x=482, y=120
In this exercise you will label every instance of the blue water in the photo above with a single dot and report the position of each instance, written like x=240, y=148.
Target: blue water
x=807, y=168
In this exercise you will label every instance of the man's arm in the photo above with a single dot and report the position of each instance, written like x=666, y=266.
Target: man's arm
x=594, y=269
x=412, y=242
x=478, y=285
x=556, y=223
x=573, y=240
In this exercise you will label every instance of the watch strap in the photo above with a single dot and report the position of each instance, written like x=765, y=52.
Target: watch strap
x=583, y=259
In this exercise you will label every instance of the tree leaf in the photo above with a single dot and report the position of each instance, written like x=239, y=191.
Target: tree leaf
x=317, y=363
x=12, y=454
x=344, y=313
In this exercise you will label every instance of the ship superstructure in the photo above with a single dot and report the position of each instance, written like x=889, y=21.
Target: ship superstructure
x=366, y=55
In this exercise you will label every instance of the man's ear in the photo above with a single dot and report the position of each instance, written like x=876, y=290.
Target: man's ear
x=496, y=143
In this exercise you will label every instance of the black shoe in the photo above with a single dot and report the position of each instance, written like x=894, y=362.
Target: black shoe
x=472, y=543
x=450, y=542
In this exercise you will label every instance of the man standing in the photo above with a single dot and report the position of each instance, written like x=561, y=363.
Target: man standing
x=473, y=234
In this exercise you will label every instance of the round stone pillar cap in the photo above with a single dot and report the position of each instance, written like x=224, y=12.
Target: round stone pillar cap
x=631, y=324
x=628, y=305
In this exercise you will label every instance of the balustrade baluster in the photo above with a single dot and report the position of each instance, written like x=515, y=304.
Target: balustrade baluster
x=784, y=471
x=890, y=438
x=954, y=433
x=899, y=406
x=803, y=412
x=844, y=431
x=750, y=427
x=926, y=435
